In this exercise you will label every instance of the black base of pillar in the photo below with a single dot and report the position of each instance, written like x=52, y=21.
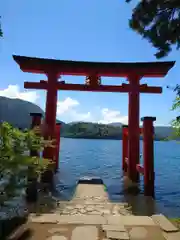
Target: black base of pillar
x=47, y=181
x=32, y=191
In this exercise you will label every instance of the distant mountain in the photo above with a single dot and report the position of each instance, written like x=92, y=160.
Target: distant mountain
x=91, y=131
x=75, y=122
x=116, y=124
x=160, y=131
x=106, y=131
x=17, y=112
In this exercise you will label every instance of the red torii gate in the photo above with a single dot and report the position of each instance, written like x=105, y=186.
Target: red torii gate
x=93, y=71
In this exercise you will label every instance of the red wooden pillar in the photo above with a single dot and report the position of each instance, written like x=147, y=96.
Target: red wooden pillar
x=50, y=114
x=57, y=148
x=36, y=121
x=124, y=147
x=133, y=129
x=148, y=155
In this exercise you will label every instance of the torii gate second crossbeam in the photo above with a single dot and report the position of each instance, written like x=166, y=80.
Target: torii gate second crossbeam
x=134, y=72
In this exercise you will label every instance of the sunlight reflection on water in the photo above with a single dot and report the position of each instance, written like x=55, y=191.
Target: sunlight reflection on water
x=102, y=158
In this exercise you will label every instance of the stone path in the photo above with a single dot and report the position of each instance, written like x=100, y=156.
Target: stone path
x=93, y=217
x=93, y=227
x=92, y=200
x=90, y=208
x=88, y=191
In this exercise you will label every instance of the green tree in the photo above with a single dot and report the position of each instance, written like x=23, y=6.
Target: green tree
x=1, y=33
x=15, y=162
x=158, y=21
x=176, y=107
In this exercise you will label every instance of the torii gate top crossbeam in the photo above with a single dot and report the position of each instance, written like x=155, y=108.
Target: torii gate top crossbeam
x=107, y=69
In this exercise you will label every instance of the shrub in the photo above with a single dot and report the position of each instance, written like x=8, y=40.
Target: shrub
x=15, y=161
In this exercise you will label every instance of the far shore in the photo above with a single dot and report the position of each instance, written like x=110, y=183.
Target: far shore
x=108, y=138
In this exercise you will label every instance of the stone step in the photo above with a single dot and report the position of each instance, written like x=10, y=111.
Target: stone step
x=164, y=223
x=44, y=218
x=56, y=237
x=66, y=219
x=118, y=228
x=85, y=232
x=130, y=220
x=117, y=235
x=171, y=235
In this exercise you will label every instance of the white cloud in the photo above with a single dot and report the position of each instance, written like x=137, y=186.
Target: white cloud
x=68, y=108
x=13, y=91
x=67, y=105
x=81, y=116
x=110, y=116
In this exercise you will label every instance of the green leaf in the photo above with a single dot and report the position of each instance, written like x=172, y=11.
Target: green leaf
x=15, y=165
x=158, y=22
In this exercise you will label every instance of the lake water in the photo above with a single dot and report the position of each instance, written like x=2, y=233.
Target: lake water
x=102, y=158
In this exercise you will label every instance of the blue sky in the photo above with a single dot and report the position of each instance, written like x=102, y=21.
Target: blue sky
x=88, y=30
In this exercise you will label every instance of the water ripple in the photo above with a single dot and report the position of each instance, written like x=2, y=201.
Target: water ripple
x=79, y=157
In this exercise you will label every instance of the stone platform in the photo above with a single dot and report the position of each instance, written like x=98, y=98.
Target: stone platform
x=91, y=216
x=96, y=227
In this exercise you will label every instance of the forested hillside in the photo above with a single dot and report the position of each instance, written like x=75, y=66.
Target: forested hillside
x=102, y=131
x=17, y=113
x=91, y=130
